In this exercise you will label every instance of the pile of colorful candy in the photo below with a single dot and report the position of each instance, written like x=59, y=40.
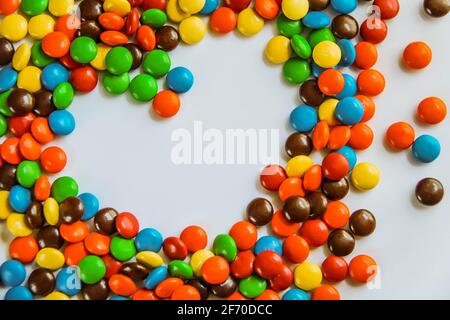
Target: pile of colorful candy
x=82, y=250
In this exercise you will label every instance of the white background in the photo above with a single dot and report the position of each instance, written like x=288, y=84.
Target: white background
x=121, y=153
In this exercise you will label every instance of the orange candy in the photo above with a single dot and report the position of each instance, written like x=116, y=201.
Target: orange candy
x=400, y=135
x=281, y=226
x=223, y=20
x=53, y=159
x=97, y=243
x=366, y=55
x=215, y=270
x=325, y=292
x=370, y=82
x=331, y=82
x=113, y=38
x=315, y=232
x=56, y=44
x=166, y=103
x=42, y=188
x=145, y=38
x=19, y=125
x=166, y=287
x=144, y=294
x=68, y=24
x=111, y=21
x=122, y=285
x=10, y=151
x=268, y=9
x=9, y=6
x=41, y=130
x=362, y=268
x=295, y=249
x=432, y=110
x=417, y=55
x=361, y=136
x=320, y=135
x=339, y=136
x=186, y=292
x=312, y=179
x=336, y=214
x=113, y=266
x=236, y=296
x=29, y=148
x=368, y=105
x=23, y=249
x=244, y=234
x=268, y=295
x=291, y=187
x=74, y=252
x=74, y=232
x=194, y=237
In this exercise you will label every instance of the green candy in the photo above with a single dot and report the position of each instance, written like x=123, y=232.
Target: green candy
x=33, y=7
x=122, y=249
x=157, y=63
x=301, y=46
x=116, y=84
x=63, y=95
x=143, y=87
x=296, y=71
x=319, y=35
x=181, y=269
x=83, y=49
x=287, y=27
x=252, y=286
x=155, y=18
x=92, y=269
x=3, y=125
x=119, y=60
x=4, y=110
x=64, y=187
x=225, y=247
x=27, y=173
x=38, y=57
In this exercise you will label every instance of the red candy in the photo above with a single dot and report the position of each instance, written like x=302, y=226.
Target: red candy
x=388, y=8
x=174, y=248
x=127, y=225
x=84, y=79
x=334, y=269
x=374, y=30
x=268, y=264
x=272, y=176
x=335, y=166
x=242, y=265
x=315, y=232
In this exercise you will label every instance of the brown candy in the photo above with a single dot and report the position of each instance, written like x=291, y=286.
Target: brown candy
x=134, y=270
x=71, y=210
x=297, y=209
x=362, y=223
x=341, y=242
x=201, y=287
x=318, y=5
x=98, y=291
x=335, y=190
x=41, y=282
x=167, y=38
x=6, y=51
x=104, y=221
x=35, y=215
x=43, y=105
x=310, y=93
x=225, y=289
x=318, y=203
x=259, y=212
x=49, y=237
x=136, y=53
x=429, y=191
x=345, y=26
x=7, y=176
x=436, y=8
x=91, y=29
x=20, y=102
x=90, y=9
x=298, y=144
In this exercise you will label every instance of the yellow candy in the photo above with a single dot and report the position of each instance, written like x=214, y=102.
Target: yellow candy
x=192, y=30
x=365, y=176
x=326, y=111
x=14, y=27
x=327, y=54
x=21, y=57
x=198, y=259
x=60, y=8
x=50, y=258
x=174, y=11
x=308, y=276
x=99, y=61
x=30, y=79
x=278, y=49
x=121, y=7
x=149, y=259
x=295, y=9
x=41, y=25
x=51, y=211
x=56, y=295
x=249, y=23
x=297, y=166
x=191, y=6
x=5, y=209
x=17, y=225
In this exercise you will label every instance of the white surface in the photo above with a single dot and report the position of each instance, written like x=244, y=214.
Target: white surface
x=121, y=153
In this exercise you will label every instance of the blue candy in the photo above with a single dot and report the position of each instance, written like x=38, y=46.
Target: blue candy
x=209, y=7
x=426, y=148
x=350, y=87
x=316, y=20
x=8, y=78
x=303, y=118
x=68, y=281
x=12, y=273
x=91, y=205
x=114, y=297
x=61, y=122
x=349, y=111
x=344, y=6
x=295, y=294
x=268, y=243
x=53, y=75
x=349, y=154
x=148, y=239
x=19, y=198
x=156, y=277
x=348, y=53
x=180, y=79
x=19, y=293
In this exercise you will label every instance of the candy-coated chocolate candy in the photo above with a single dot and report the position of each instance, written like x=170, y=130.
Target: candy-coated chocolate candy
x=166, y=103
x=327, y=54
x=64, y=187
x=296, y=71
x=436, y=8
x=268, y=264
x=174, y=248
x=122, y=285
x=295, y=294
x=19, y=198
x=18, y=293
x=297, y=166
x=29, y=79
x=27, y=173
x=143, y=87
x=350, y=88
x=325, y=292
x=21, y=57
x=68, y=281
x=155, y=277
x=268, y=243
x=362, y=223
x=400, y=135
x=242, y=266
x=417, y=55
x=295, y=9
x=50, y=258
x=344, y=6
x=127, y=225
x=295, y=249
x=215, y=270
x=51, y=211
x=288, y=27
x=194, y=237
x=12, y=273
x=308, y=276
x=14, y=27
x=74, y=252
x=180, y=79
x=252, y=286
x=349, y=111
x=167, y=38
x=98, y=291
x=41, y=281
x=121, y=7
x=23, y=249
x=225, y=247
x=278, y=49
x=249, y=23
x=362, y=268
x=341, y=242
x=116, y=84
x=192, y=30
x=122, y=249
x=432, y=110
x=149, y=259
x=148, y=239
x=296, y=209
x=365, y=176
x=374, y=30
x=198, y=258
x=303, y=118
x=429, y=191
x=272, y=176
